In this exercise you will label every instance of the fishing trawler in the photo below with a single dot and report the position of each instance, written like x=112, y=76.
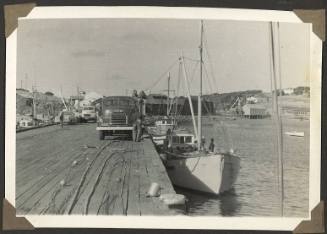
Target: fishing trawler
x=159, y=131
x=188, y=164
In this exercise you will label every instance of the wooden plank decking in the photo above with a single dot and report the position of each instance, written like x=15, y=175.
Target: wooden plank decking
x=70, y=171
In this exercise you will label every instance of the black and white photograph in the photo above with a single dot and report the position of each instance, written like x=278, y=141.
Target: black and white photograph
x=194, y=117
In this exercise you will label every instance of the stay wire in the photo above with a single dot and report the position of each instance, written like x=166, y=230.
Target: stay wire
x=193, y=71
x=209, y=59
x=162, y=75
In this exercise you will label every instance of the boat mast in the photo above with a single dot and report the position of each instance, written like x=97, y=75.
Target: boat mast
x=168, y=104
x=275, y=75
x=34, y=102
x=78, y=93
x=189, y=96
x=62, y=98
x=200, y=91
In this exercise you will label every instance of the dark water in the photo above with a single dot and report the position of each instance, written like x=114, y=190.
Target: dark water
x=256, y=191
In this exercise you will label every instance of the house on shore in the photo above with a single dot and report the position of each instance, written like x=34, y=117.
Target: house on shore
x=254, y=111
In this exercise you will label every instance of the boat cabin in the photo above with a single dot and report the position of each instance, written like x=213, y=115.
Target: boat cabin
x=182, y=138
x=162, y=126
x=166, y=122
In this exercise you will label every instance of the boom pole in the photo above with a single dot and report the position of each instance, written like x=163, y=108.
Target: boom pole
x=189, y=97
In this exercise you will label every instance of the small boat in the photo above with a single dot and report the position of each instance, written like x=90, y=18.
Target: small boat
x=295, y=133
x=159, y=131
x=164, y=125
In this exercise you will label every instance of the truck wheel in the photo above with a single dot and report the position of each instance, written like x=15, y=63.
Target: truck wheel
x=101, y=135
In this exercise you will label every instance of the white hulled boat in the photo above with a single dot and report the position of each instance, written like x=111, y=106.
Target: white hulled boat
x=193, y=167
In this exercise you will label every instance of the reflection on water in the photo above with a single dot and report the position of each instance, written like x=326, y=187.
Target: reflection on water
x=198, y=203
x=256, y=191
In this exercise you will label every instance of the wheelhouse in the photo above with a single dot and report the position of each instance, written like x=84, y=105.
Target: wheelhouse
x=182, y=139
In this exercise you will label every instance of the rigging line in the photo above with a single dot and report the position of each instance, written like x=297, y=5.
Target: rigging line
x=279, y=103
x=275, y=107
x=224, y=130
x=229, y=141
x=207, y=75
x=162, y=75
x=280, y=73
x=279, y=56
x=209, y=59
x=271, y=55
x=177, y=89
x=179, y=111
x=191, y=59
x=193, y=71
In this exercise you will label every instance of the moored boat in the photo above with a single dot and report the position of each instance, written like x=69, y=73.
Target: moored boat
x=212, y=173
x=209, y=172
x=295, y=133
x=159, y=131
x=188, y=163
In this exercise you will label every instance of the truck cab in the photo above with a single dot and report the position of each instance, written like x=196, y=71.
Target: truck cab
x=88, y=114
x=68, y=117
x=117, y=116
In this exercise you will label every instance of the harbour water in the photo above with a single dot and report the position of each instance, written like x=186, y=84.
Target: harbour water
x=256, y=191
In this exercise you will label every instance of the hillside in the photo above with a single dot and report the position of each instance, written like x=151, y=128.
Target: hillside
x=45, y=104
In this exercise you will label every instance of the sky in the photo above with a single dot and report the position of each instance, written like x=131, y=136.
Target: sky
x=115, y=56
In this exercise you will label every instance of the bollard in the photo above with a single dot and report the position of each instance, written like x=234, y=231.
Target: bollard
x=154, y=190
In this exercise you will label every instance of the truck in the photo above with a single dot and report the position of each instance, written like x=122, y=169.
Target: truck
x=117, y=116
x=69, y=117
x=88, y=114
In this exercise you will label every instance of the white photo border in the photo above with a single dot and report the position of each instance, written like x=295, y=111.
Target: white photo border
x=164, y=222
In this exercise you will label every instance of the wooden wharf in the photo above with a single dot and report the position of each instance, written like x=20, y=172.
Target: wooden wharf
x=70, y=171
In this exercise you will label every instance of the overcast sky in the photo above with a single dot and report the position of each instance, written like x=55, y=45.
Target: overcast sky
x=109, y=56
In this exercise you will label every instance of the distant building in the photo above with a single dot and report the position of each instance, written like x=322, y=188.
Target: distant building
x=156, y=104
x=263, y=98
x=254, y=111
x=295, y=106
x=24, y=102
x=45, y=105
x=251, y=99
x=288, y=91
x=23, y=121
x=296, y=112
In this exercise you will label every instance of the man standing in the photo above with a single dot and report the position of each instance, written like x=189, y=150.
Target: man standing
x=138, y=128
x=202, y=145
x=61, y=119
x=211, y=146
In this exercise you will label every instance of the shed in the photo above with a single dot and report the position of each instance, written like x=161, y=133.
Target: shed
x=254, y=111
